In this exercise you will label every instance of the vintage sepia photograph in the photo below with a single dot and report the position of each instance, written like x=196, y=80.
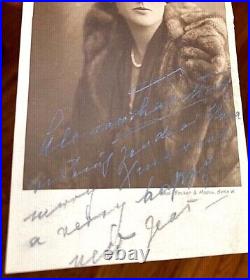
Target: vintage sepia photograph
x=129, y=142
x=138, y=95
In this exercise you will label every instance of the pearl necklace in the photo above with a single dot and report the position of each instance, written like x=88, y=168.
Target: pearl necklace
x=137, y=65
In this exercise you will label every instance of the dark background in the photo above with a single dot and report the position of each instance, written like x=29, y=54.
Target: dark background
x=219, y=266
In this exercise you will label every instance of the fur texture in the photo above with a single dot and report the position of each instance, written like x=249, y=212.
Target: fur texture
x=196, y=44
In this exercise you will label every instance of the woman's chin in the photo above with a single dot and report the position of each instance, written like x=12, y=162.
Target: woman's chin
x=144, y=21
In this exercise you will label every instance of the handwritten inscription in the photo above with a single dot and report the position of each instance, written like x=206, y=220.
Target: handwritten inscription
x=89, y=218
x=46, y=213
x=155, y=227
x=116, y=239
x=36, y=241
x=199, y=93
x=150, y=114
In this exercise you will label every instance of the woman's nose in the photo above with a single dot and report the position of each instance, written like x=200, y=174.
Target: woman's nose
x=141, y=3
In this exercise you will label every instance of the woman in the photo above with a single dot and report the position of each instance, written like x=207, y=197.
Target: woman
x=154, y=107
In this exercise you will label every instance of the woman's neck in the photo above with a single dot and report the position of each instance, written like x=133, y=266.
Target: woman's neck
x=142, y=36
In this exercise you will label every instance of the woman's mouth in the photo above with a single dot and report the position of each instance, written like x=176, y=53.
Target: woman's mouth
x=141, y=9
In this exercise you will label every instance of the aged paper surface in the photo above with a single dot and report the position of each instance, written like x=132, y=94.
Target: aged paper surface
x=113, y=164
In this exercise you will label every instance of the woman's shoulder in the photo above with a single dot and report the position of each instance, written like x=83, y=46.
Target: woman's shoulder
x=201, y=39
x=182, y=17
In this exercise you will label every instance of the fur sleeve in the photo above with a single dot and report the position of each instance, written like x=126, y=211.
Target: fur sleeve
x=202, y=41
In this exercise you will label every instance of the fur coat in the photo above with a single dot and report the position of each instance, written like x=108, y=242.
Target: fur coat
x=181, y=131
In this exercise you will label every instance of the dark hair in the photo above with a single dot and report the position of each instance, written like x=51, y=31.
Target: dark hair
x=101, y=21
x=104, y=12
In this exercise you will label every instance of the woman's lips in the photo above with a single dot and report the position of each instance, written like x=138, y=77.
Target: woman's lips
x=141, y=9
